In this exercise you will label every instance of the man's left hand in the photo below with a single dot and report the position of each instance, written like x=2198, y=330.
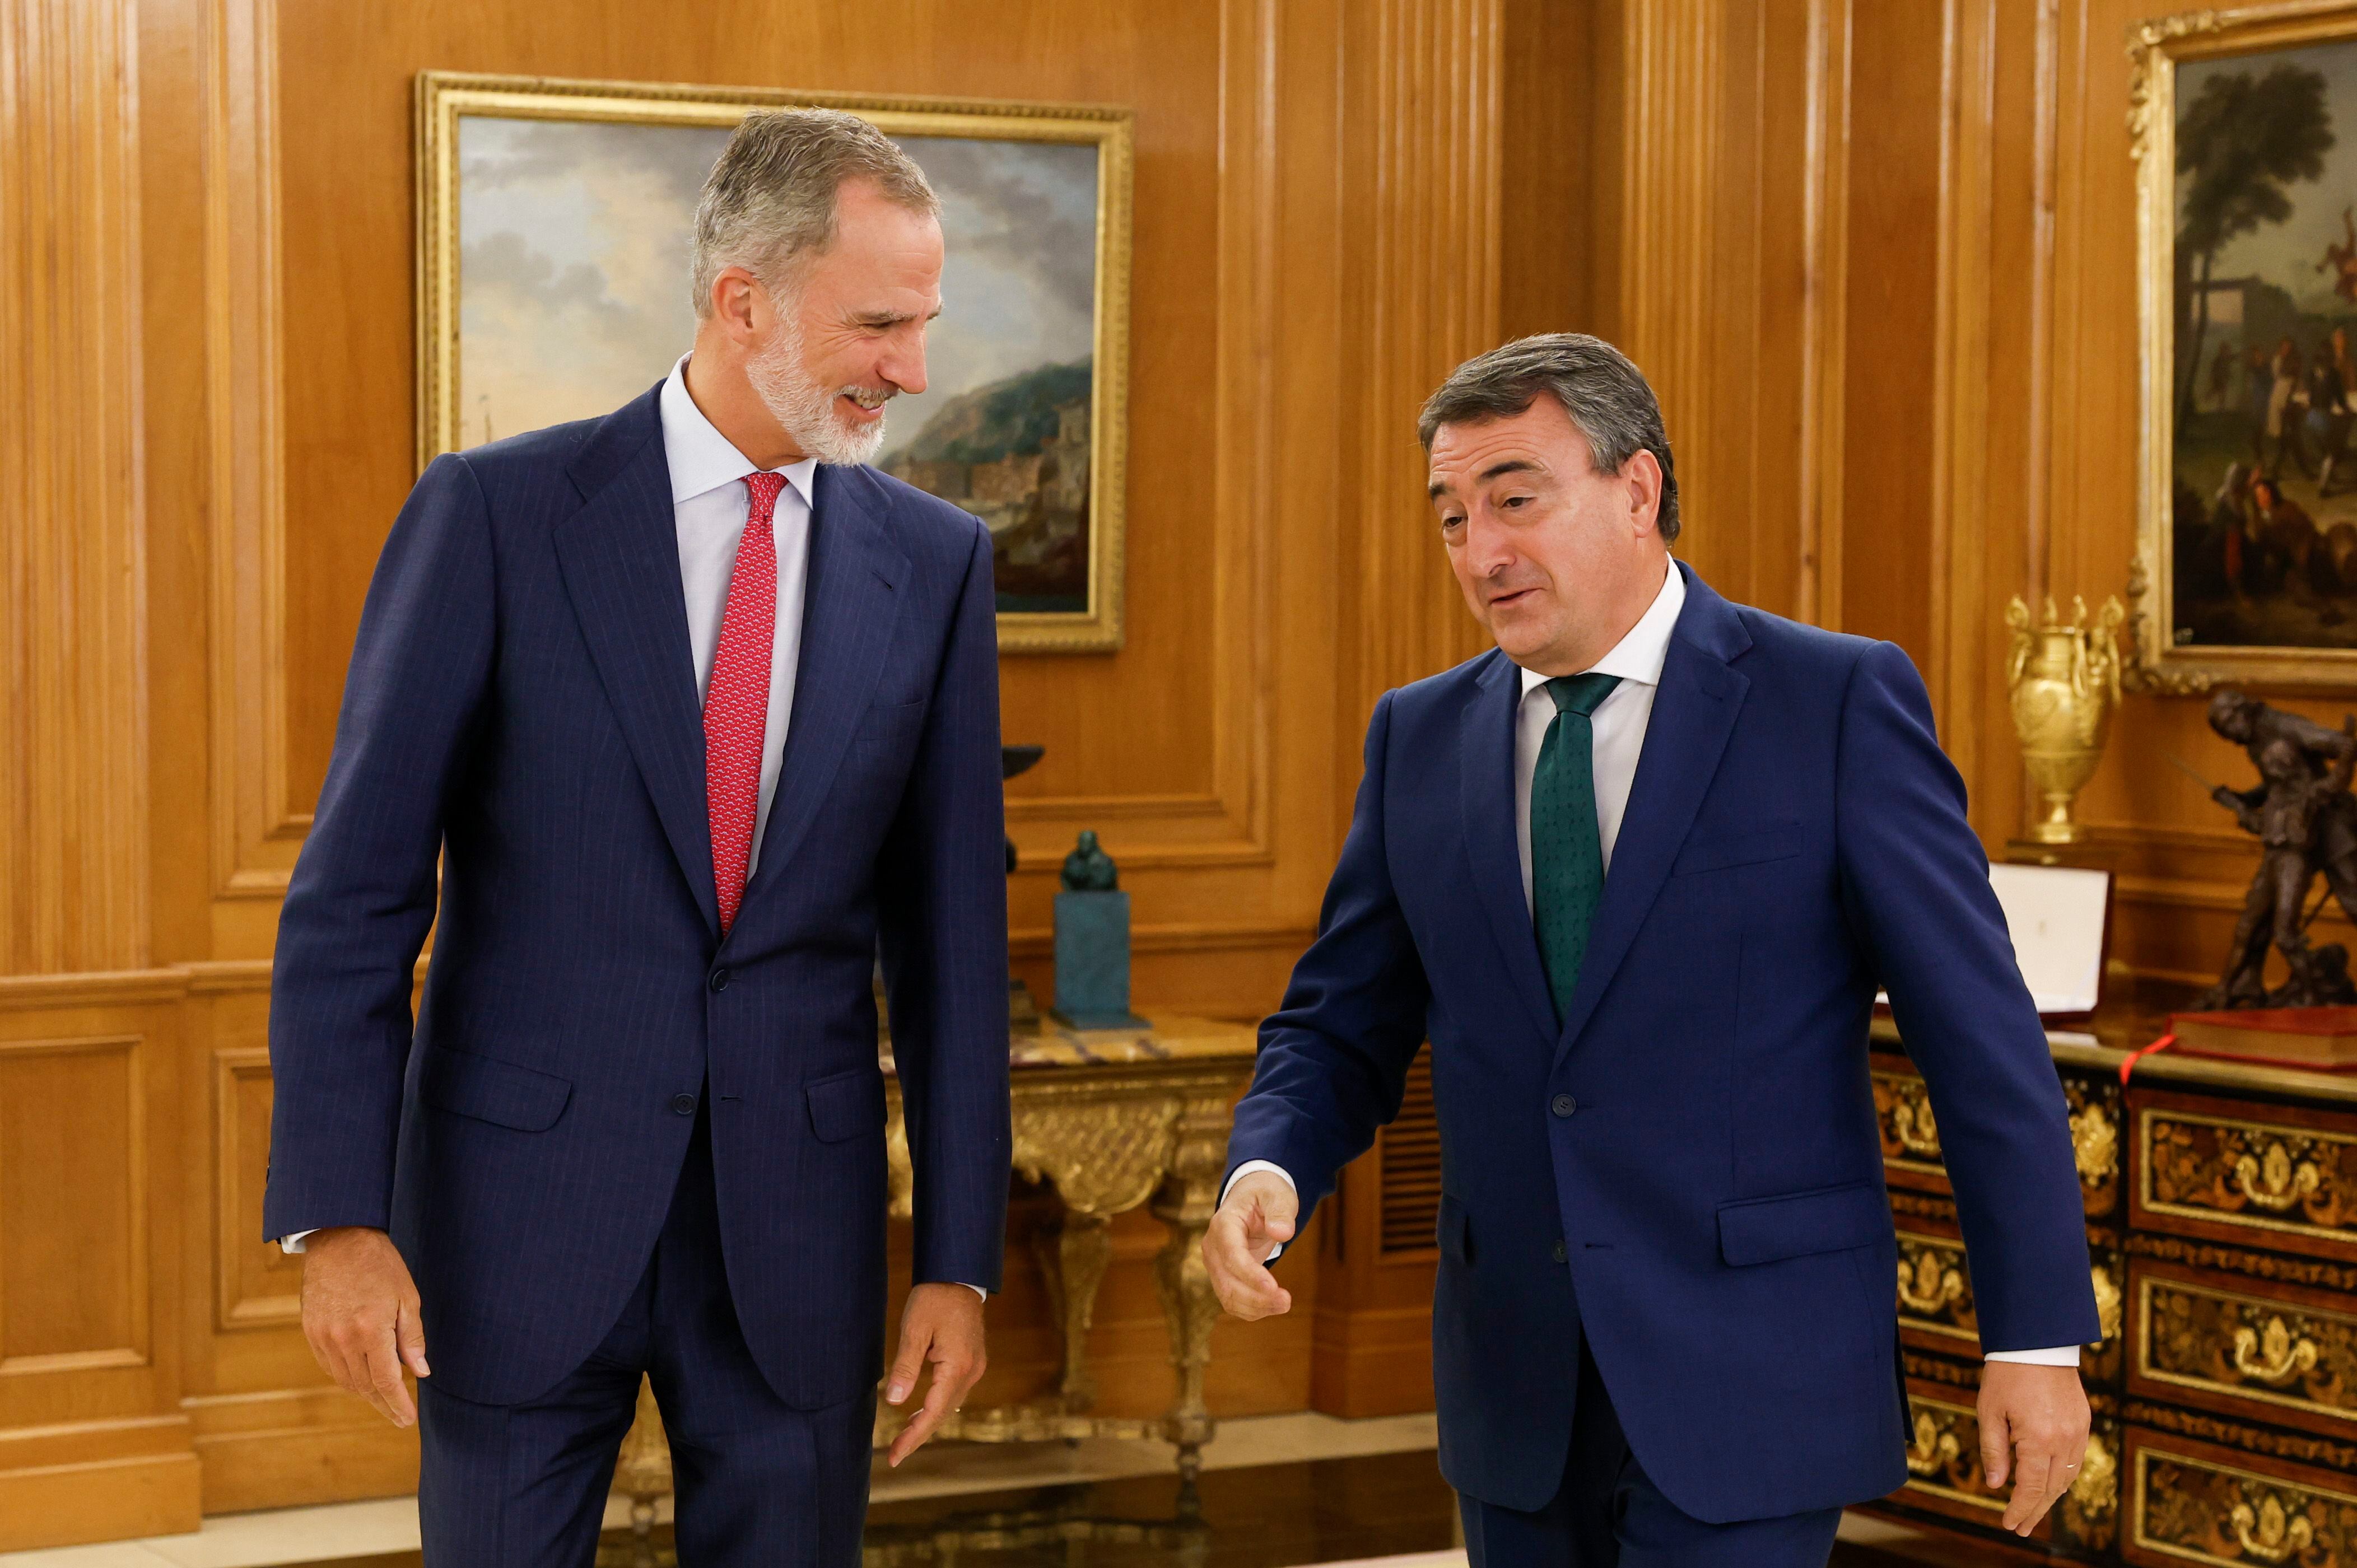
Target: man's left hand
x=940, y=1328
x=2033, y=1430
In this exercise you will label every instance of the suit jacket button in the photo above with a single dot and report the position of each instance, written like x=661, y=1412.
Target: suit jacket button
x=683, y=1104
x=1565, y=1105
x=719, y=981
x=1561, y=1253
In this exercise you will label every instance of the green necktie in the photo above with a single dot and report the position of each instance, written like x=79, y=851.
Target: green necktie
x=1566, y=852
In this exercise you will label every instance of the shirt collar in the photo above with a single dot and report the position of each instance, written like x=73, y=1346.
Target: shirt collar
x=702, y=459
x=1639, y=656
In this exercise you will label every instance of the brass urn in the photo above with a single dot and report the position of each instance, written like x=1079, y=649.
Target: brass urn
x=2064, y=681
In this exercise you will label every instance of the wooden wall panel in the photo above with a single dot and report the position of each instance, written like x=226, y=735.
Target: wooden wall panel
x=73, y=1219
x=73, y=883
x=255, y=1283
x=1895, y=87
x=93, y=1442
x=1320, y=236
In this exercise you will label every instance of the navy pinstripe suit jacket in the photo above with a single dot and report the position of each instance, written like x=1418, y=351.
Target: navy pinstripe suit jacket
x=1684, y=1167
x=521, y=702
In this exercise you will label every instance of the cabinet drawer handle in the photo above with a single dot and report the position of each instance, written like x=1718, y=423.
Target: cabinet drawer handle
x=2270, y=1532
x=2285, y=1184
x=2272, y=1355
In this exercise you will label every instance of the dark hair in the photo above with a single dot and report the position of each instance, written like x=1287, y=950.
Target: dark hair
x=1605, y=395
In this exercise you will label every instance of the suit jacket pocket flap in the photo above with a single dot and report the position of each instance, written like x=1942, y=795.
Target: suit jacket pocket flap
x=1763, y=1230
x=492, y=1091
x=846, y=1105
x=1717, y=852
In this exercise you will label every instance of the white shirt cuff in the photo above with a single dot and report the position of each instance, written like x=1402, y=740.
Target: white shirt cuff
x=2060, y=1356
x=1247, y=1169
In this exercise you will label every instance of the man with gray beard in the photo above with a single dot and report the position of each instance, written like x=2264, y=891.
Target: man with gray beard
x=695, y=711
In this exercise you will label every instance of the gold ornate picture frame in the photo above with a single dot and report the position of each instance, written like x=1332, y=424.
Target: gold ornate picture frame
x=553, y=221
x=2246, y=569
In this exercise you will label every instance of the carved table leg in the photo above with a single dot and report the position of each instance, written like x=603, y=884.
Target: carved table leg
x=1186, y=1203
x=1073, y=1256
x=643, y=1472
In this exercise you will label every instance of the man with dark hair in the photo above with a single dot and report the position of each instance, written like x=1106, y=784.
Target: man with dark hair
x=695, y=711
x=1636, y=876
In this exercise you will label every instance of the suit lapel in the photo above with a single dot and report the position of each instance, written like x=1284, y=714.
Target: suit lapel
x=1488, y=803
x=620, y=557
x=849, y=607
x=1693, y=713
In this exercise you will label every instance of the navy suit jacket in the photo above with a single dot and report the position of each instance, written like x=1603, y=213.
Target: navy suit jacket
x=521, y=704
x=1686, y=1168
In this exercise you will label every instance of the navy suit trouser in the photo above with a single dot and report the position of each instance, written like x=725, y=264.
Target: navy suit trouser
x=1609, y=1514
x=755, y=1481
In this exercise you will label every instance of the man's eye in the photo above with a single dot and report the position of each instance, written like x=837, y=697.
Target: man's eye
x=1513, y=502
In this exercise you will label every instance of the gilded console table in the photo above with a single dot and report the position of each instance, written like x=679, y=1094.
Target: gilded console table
x=1113, y=1118
x=2221, y=1205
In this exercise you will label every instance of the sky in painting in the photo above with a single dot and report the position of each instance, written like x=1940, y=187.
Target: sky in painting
x=574, y=246
x=2286, y=253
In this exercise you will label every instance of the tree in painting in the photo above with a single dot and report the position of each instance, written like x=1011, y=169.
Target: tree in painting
x=2240, y=144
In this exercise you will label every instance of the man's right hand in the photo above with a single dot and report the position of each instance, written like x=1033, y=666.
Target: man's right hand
x=360, y=1313
x=1256, y=1218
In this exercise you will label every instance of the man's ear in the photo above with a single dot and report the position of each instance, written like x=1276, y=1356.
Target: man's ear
x=1642, y=475
x=737, y=302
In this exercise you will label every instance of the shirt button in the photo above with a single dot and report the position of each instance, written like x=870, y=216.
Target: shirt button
x=1565, y=1105
x=1561, y=1253
x=683, y=1104
x=719, y=981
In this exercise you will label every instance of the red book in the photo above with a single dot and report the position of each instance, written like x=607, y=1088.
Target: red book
x=2317, y=1038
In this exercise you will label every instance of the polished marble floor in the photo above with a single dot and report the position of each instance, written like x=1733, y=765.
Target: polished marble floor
x=1276, y=1492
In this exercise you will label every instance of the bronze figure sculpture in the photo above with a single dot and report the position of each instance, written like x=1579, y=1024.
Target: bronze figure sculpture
x=2306, y=822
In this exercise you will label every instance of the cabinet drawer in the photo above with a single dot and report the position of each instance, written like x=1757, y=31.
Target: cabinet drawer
x=2191, y=1502
x=1911, y=1135
x=2248, y=1348
x=1944, y=1458
x=2265, y=1175
x=1935, y=1295
x=1943, y=1474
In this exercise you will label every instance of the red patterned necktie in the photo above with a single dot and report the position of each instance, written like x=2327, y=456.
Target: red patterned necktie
x=737, y=705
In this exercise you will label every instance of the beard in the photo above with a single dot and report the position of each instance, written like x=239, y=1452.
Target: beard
x=796, y=400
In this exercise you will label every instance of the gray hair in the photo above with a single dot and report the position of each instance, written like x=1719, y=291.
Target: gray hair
x=769, y=202
x=1606, y=396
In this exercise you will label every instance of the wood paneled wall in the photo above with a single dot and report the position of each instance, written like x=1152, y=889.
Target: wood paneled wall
x=1878, y=259
x=207, y=319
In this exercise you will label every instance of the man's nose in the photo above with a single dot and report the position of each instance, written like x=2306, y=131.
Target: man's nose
x=904, y=366
x=1489, y=547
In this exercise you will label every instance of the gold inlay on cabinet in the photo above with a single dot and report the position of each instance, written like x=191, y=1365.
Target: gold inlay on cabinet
x=2094, y=1143
x=2248, y=1175
x=2246, y=1346
x=1911, y=1135
x=2203, y=1510
x=1944, y=1453
x=1935, y=1292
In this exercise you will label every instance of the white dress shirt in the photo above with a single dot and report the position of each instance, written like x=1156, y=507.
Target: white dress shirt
x=1616, y=727
x=710, y=506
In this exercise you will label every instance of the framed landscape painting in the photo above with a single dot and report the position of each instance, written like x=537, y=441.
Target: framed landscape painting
x=554, y=221
x=2244, y=125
